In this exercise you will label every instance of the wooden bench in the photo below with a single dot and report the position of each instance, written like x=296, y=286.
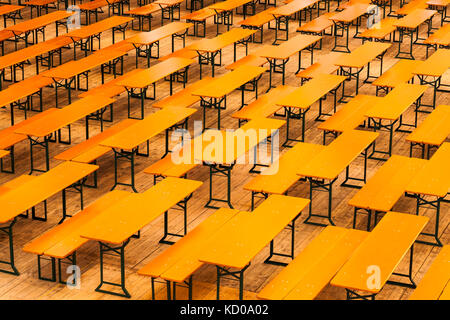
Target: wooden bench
x=282, y=175
x=42, y=131
x=61, y=242
x=380, y=31
x=116, y=226
x=198, y=19
x=278, y=56
x=408, y=27
x=324, y=168
x=439, y=39
x=264, y=106
x=318, y=26
x=325, y=65
x=137, y=85
x=350, y=116
x=313, y=268
x=144, y=42
x=170, y=9
x=213, y=95
x=385, y=188
x=401, y=72
x=257, y=22
x=183, y=98
x=350, y=65
x=430, y=186
x=235, y=245
x=435, y=283
x=126, y=142
x=284, y=13
x=144, y=13
x=440, y=6
x=430, y=72
x=8, y=138
x=377, y=257
x=432, y=132
x=208, y=49
x=66, y=176
x=298, y=103
x=10, y=12
x=91, y=149
x=389, y=111
x=177, y=264
x=84, y=37
x=111, y=88
x=20, y=95
x=37, y=26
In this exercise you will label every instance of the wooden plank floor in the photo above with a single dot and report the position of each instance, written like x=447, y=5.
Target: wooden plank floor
x=141, y=251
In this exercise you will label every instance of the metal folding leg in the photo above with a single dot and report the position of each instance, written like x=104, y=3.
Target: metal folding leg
x=222, y=170
x=435, y=203
x=223, y=272
x=320, y=185
x=8, y=229
x=117, y=250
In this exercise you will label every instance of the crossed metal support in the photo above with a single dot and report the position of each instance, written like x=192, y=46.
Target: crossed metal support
x=320, y=185
x=413, y=35
x=182, y=205
x=226, y=273
x=76, y=187
x=219, y=170
x=141, y=22
x=225, y=18
x=424, y=148
x=294, y=113
x=69, y=260
x=205, y=58
x=281, y=26
x=196, y=28
x=354, y=73
x=423, y=202
x=128, y=156
x=113, y=250
x=8, y=229
x=290, y=255
x=435, y=82
x=369, y=213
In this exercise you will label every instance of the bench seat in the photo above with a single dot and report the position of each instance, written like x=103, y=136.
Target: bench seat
x=401, y=72
x=265, y=105
x=183, y=98
x=64, y=239
x=436, y=280
x=325, y=65
x=306, y=276
x=90, y=150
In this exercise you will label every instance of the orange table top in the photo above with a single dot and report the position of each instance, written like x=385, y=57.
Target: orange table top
x=440, y=37
x=396, y=102
x=247, y=233
x=23, y=89
x=75, y=67
x=313, y=268
x=339, y=154
x=401, y=72
x=221, y=86
x=8, y=8
x=258, y=19
x=42, y=187
x=183, y=97
x=351, y=115
x=382, y=191
x=226, y=146
x=157, y=72
x=98, y=27
x=311, y=91
x=415, y=18
x=221, y=41
x=228, y=5
x=290, y=47
x=381, y=29
x=436, y=64
x=65, y=116
x=434, y=129
x=181, y=259
x=384, y=247
x=39, y=22
x=147, y=38
x=124, y=219
x=293, y=7
x=351, y=13
x=362, y=55
x=434, y=178
x=147, y=128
